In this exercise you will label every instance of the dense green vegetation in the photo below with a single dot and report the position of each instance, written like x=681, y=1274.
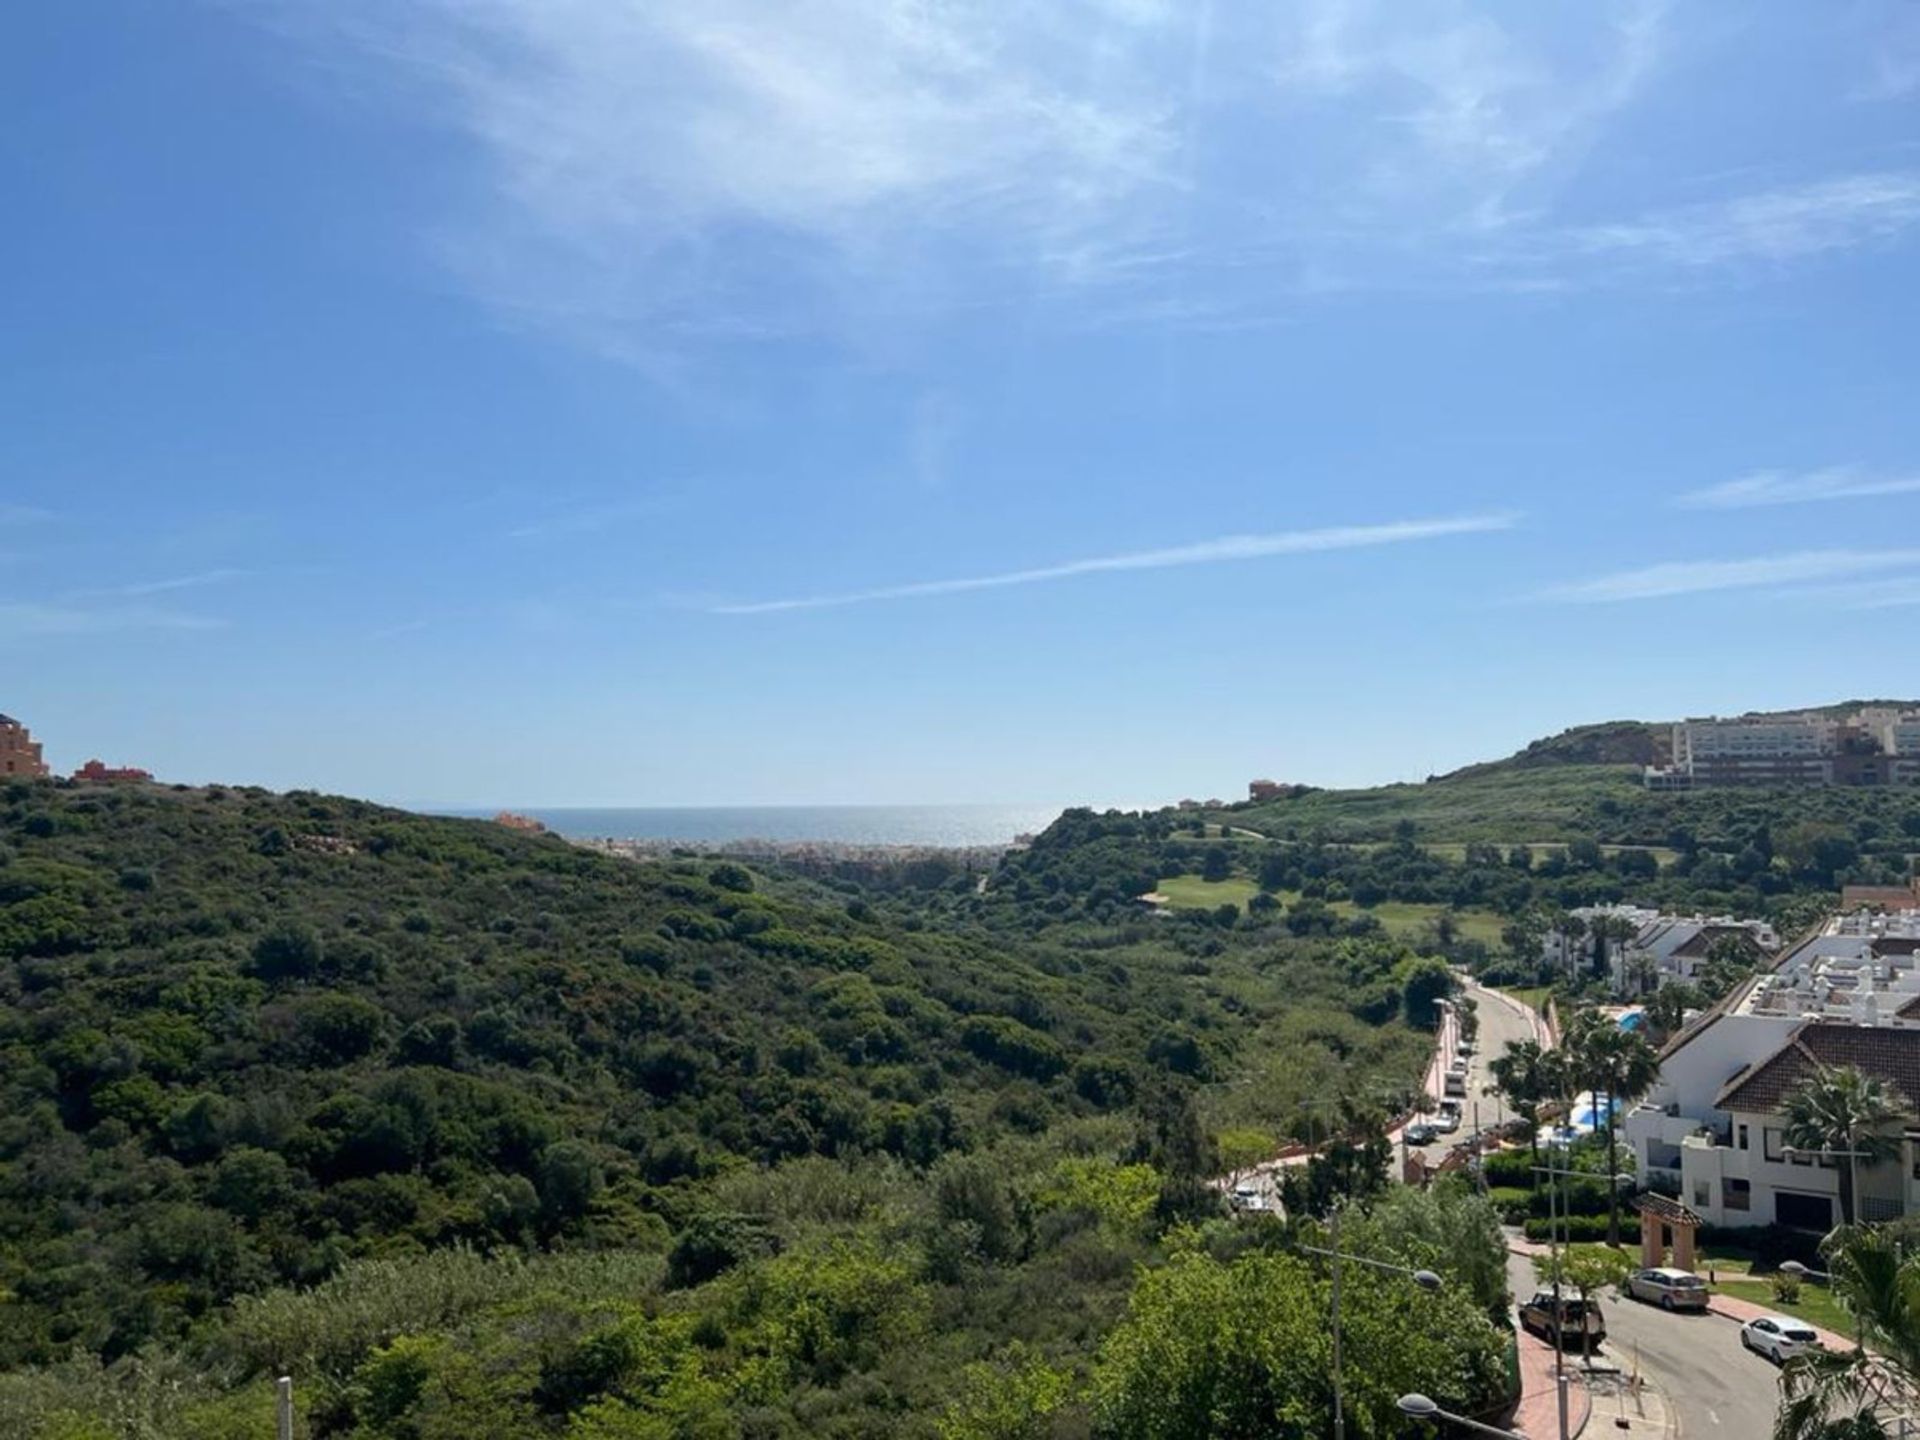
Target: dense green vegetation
x=1603, y=804
x=480, y=1134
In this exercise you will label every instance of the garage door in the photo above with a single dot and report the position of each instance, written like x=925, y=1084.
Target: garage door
x=1803, y=1212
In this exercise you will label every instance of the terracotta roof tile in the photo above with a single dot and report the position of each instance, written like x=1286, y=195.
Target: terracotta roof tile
x=1671, y=1211
x=1889, y=1055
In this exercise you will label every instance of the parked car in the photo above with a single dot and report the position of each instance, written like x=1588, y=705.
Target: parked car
x=1778, y=1337
x=1421, y=1133
x=1246, y=1196
x=1579, y=1321
x=1448, y=1120
x=1668, y=1288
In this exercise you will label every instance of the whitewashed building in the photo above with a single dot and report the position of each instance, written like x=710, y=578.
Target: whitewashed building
x=1711, y=1129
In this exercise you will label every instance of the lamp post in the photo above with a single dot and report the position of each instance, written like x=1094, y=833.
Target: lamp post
x=1553, y=1242
x=1421, y=1408
x=1804, y=1273
x=1425, y=1279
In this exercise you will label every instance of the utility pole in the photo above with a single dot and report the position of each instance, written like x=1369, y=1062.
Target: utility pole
x=283, y=1407
x=1339, y=1408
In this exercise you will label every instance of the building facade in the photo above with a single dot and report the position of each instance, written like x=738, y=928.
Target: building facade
x=1662, y=949
x=1877, y=745
x=19, y=751
x=1712, y=1130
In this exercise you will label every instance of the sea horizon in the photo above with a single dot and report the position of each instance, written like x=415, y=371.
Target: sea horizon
x=845, y=824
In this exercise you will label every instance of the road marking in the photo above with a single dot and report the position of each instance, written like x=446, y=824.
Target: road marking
x=1713, y=1415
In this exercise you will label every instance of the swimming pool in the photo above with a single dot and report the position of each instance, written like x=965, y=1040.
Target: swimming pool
x=1633, y=1019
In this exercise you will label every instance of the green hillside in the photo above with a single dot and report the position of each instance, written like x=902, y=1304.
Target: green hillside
x=1561, y=803
x=480, y=1134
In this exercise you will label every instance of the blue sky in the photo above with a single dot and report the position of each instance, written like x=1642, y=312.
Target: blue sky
x=582, y=401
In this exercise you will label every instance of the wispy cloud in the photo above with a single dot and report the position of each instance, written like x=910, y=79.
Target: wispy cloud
x=143, y=589
x=1784, y=487
x=1892, y=592
x=1768, y=226
x=1205, y=552
x=1694, y=577
x=666, y=175
x=21, y=620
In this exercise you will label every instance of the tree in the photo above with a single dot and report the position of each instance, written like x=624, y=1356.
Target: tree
x=1424, y=981
x=1842, y=1109
x=1666, y=1008
x=1619, y=1066
x=1244, y=1348
x=1529, y=1075
x=1606, y=929
x=1571, y=929
x=1843, y=1395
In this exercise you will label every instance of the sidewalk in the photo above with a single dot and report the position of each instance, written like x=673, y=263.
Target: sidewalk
x=1538, y=1417
x=1741, y=1311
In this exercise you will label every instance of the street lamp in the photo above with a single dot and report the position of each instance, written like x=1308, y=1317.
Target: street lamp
x=1421, y=1408
x=1804, y=1273
x=1553, y=1242
x=1425, y=1279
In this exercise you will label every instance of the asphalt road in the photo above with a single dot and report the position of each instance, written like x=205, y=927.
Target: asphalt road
x=1711, y=1383
x=1502, y=1021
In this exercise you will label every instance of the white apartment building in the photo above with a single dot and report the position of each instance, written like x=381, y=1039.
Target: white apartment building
x=1663, y=949
x=1711, y=1129
x=1876, y=745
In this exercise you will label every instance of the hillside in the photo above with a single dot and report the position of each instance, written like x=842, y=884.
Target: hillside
x=1581, y=784
x=1612, y=742
x=493, y=1094
x=1629, y=742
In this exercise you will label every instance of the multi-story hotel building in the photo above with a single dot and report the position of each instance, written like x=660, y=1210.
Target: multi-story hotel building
x=1873, y=746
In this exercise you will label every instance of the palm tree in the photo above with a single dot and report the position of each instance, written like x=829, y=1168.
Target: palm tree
x=1667, y=1007
x=1529, y=1075
x=1606, y=928
x=1841, y=1109
x=1572, y=929
x=1619, y=1066
x=1846, y=1395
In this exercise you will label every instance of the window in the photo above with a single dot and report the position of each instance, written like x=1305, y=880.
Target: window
x=1740, y=1141
x=1703, y=1192
x=1736, y=1194
x=1772, y=1144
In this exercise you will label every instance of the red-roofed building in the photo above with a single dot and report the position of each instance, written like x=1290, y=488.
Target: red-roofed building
x=96, y=770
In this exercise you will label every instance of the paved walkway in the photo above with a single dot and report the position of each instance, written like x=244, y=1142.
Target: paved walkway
x=1538, y=1417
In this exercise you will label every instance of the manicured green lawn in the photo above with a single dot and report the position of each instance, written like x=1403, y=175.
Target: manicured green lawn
x=1816, y=1304
x=1190, y=892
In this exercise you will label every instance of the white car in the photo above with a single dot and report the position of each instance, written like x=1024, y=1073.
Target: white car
x=1778, y=1337
x=1247, y=1197
x=1447, y=1120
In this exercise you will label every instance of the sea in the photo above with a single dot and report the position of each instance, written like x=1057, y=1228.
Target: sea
x=942, y=825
